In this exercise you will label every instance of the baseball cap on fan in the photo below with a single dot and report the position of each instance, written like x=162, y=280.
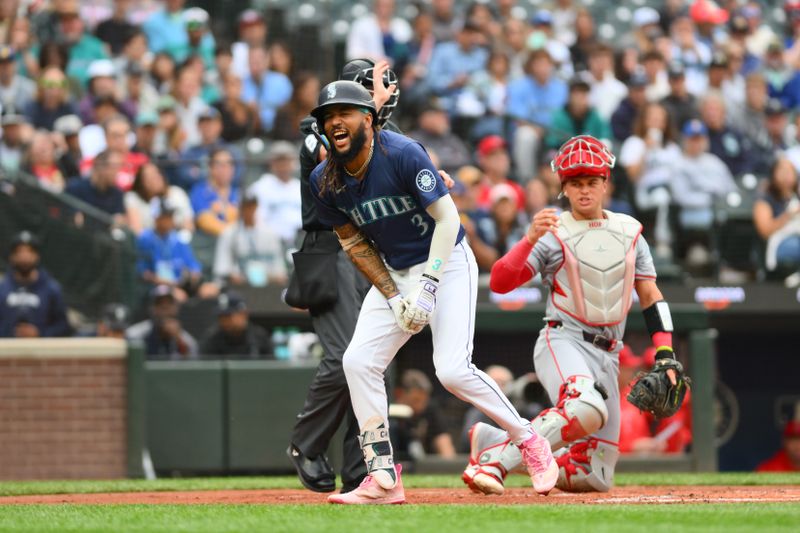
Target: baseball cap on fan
x=250, y=17
x=502, y=191
x=491, y=144
x=644, y=16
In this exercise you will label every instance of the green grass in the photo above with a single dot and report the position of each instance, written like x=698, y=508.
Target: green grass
x=447, y=481
x=419, y=519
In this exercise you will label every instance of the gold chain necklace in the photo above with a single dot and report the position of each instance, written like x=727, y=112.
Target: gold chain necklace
x=362, y=167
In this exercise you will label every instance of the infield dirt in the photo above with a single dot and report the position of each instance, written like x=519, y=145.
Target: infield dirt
x=622, y=495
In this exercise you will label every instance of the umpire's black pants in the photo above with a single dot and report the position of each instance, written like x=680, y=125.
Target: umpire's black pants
x=328, y=400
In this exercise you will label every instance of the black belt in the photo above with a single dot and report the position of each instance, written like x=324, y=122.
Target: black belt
x=604, y=343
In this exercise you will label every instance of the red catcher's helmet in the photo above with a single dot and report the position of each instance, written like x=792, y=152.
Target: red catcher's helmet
x=583, y=156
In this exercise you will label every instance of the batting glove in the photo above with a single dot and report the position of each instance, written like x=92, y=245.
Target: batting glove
x=421, y=303
x=398, y=306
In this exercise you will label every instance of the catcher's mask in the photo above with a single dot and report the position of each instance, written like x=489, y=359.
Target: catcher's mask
x=583, y=155
x=362, y=71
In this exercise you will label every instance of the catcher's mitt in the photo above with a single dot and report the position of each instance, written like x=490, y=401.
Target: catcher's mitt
x=653, y=392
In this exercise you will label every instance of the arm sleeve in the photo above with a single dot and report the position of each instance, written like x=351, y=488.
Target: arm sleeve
x=444, y=213
x=513, y=269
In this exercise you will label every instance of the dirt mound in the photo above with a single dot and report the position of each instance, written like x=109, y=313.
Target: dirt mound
x=626, y=495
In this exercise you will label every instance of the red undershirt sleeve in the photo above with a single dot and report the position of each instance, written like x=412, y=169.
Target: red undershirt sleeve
x=513, y=269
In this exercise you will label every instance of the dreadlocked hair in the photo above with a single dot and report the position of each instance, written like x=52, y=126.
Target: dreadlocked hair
x=331, y=174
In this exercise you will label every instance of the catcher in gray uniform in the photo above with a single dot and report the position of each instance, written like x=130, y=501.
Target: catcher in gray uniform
x=591, y=260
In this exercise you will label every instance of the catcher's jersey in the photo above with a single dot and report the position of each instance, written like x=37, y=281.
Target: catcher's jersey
x=388, y=203
x=546, y=258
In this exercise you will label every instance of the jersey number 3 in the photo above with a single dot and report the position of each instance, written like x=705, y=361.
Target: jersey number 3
x=419, y=222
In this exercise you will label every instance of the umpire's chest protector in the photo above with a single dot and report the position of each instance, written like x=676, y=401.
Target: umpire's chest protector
x=594, y=283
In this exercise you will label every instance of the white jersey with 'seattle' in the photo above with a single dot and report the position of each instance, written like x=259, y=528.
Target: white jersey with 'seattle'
x=590, y=267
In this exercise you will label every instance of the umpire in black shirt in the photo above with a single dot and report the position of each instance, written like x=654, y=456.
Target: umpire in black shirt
x=328, y=400
x=234, y=336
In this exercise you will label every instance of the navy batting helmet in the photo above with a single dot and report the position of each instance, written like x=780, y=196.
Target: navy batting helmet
x=343, y=92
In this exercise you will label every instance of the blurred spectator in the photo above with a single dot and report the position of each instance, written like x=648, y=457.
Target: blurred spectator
x=278, y=193
x=654, y=69
x=504, y=378
x=477, y=224
x=199, y=40
x=304, y=99
x=135, y=52
x=738, y=53
x=117, y=132
x=420, y=51
x=680, y=104
x=281, y=59
x=252, y=33
x=433, y=132
x=379, y=35
x=170, y=135
x=166, y=29
x=40, y=161
x=614, y=202
x=189, y=105
x=149, y=189
x=722, y=81
x=194, y=161
x=709, y=18
x=100, y=190
x=787, y=459
x=249, y=252
x=483, y=17
x=162, y=72
x=750, y=117
x=541, y=38
x=759, y=35
x=15, y=90
x=235, y=336
x=775, y=125
x=606, y=90
x=163, y=336
x=515, y=33
x=113, y=322
x=214, y=201
x=582, y=41
x=484, y=97
x=146, y=129
x=537, y=197
x=102, y=84
x=68, y=127
x=692, y=54
x=12, y=142
x=164, y=258
x=494, y=161
x=509, y=222
x=31, y=303
x=52, y=100
x=645, y=29
x=115, y=30
x=532, y=100
x=83, y=47
x=635, y=435
x=424, y=431
x=263, y=88
x=776, y=215
x=726, y=143
x=452, y=63
x=648, y=157
x=576, y=117
x=138, y=94
x=445, y=21
x=239, y=120
x=700, y=178
x=623, y=119
x=92, y=137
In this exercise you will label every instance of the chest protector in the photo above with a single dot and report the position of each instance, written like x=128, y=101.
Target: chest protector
x=595, y=281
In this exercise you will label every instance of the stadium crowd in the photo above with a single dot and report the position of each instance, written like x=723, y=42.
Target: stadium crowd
x=139, y=110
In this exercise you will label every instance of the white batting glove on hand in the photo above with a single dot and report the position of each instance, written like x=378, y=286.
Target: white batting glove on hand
x=421, y=303
x=398, y=306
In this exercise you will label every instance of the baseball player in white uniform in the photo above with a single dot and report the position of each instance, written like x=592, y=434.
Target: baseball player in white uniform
x=591, y=260
x=397, y=222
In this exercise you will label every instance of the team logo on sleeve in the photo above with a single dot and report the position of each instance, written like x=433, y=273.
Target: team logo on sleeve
x=426, y=181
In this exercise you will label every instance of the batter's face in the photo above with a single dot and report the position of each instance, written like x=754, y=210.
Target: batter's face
x=348, y=129
x=585, y=195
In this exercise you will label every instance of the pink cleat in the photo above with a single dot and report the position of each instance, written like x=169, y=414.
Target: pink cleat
x=537, y=456
x=370, y=493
